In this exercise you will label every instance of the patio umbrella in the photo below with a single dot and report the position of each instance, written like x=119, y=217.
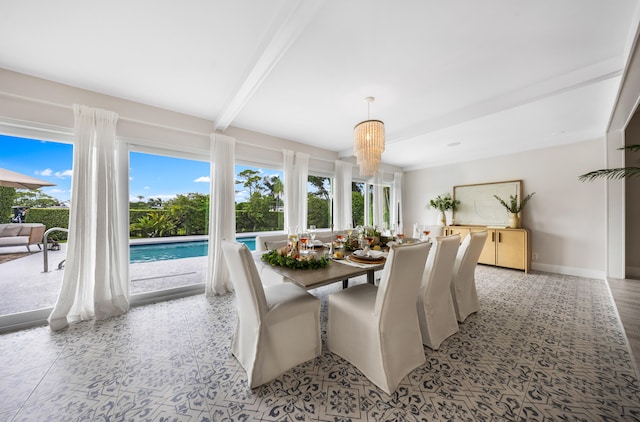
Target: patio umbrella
x=17, y=180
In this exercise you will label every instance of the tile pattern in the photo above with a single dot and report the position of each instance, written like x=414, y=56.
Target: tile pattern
x=544, y=347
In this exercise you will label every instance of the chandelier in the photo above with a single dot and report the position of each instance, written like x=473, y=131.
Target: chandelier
x=369, y=143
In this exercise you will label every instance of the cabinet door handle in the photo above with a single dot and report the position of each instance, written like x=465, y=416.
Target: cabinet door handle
x=493, y=236
x=499, y=237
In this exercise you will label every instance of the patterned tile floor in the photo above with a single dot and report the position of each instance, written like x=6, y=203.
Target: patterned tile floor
x=543, y=347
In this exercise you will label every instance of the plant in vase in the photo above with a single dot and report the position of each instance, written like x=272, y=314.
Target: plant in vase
x=444, y=203
x=514, y=207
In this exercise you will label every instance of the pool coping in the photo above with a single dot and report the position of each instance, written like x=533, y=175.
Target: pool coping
x=180, y=239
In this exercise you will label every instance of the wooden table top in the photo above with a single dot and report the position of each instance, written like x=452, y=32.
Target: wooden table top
x=310, y=279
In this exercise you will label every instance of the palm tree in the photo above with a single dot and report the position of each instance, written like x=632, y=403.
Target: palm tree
x=613, y=174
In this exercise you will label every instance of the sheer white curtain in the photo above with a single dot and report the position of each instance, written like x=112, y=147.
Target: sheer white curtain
x=302, y=175
x=342, y=194
x=288, y=174
x=96, y=279
x=378, y=201
x=396, y=200
x=222, y=212
x=296, y=175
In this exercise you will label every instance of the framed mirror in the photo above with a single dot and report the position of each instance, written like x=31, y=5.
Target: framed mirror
x=479, y=207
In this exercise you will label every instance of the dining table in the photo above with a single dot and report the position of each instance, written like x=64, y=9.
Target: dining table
x=337, y=270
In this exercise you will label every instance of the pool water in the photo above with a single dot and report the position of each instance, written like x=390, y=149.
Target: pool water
x=165, y=251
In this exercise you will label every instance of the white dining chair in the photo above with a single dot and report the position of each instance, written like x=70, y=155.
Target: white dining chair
x=278, y=326
x=376, y=328
x=436, y=313
x=463, y=282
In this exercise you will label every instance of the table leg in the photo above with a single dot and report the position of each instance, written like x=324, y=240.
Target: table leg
x=371, y=277
x=345, y=283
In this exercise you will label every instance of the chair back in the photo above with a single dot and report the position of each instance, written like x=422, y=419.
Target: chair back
x=439, y=269
x=400, y=282
x=468, y=255
x=250, y=297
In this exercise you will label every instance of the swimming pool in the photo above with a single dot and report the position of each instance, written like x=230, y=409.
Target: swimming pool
x=176, y=250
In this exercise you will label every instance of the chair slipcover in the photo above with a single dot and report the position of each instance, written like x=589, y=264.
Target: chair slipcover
x=436, y=313
x=376, y=328
x=463, y=283
x=278, y=326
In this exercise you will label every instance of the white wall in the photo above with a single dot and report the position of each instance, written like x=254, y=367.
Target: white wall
x=565, y=217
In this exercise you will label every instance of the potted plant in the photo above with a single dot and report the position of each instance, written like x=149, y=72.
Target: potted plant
x=444, y=203
x=514, y=207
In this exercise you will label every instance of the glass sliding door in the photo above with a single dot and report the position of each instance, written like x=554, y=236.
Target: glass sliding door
x=25, y=214
x=169, y=221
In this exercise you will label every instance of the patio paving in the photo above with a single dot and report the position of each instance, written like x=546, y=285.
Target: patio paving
x=24, y=286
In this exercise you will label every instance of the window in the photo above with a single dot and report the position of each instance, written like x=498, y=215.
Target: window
x=319, y=201
x=259, y=204
x=357, y=203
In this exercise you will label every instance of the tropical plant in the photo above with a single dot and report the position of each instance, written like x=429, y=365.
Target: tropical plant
x=514, y=207
x=444, y=203
x=614, y=174
x=154, y=224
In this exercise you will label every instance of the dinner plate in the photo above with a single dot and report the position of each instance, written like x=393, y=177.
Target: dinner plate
x=366, y=259
x=369, y=254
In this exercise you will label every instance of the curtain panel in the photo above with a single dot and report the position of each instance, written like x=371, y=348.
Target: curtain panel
x=222, y=212
x=396, y=201
x=342, y=208
x=95, y=283
x=296, y=175
x=378, y=201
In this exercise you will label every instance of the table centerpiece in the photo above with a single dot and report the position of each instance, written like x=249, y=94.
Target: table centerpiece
x=289, y=256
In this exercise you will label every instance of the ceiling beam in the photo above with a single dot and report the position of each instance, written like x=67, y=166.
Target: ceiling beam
x=285, y=31
x=579, y=78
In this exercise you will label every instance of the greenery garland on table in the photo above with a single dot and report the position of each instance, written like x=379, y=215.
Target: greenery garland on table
x=276, y=258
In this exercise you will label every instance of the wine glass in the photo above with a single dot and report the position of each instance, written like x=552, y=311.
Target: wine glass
x=426, y=234
x=312, y=234
x=349, y=229
x=292, y=237
x=304, y=237
x=340, y=237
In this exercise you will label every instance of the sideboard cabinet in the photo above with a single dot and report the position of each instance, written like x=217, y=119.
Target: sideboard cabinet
x=507, y=248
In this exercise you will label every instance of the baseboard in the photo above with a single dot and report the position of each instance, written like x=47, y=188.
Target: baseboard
x=632, y=272
x=22, y=320
x=561, y=269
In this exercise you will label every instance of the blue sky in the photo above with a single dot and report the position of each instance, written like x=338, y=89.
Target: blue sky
x=151, y=176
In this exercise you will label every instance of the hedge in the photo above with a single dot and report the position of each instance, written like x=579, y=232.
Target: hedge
x=50, y=217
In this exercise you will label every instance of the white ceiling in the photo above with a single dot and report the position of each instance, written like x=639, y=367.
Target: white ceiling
x=453, y=80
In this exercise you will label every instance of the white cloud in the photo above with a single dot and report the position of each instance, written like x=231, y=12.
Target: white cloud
x=56, y=191
x=65, y=173
x=203, y=179
x=45, y=172
x=147, y=187
x=242, y=196
x=165, y=197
